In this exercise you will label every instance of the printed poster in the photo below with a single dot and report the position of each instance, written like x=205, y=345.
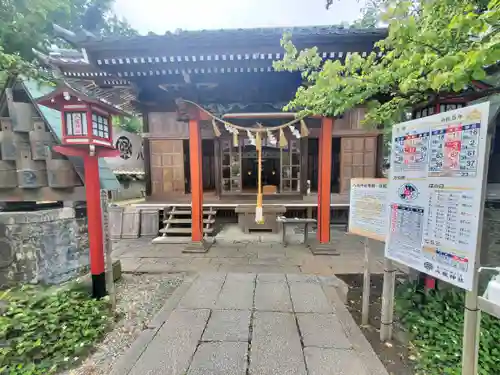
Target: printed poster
x=368, y=208
x=434, y=193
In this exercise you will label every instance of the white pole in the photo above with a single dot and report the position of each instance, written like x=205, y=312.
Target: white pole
x=387, y=312
x=365, y=313
x=110, y=282
x=472, y=315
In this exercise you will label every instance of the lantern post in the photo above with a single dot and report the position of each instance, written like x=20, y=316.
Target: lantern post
x=87, y=133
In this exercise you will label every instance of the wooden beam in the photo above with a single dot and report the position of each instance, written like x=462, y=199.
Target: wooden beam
x=264, y=115
x=147, y=152
x=217, y=167
x=304, y=164
x=324, y=180
x=196, y=180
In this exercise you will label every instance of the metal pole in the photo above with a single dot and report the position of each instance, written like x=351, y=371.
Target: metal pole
x=365, y=313
x=110, y=281
x=387, y=301
x=472, y=314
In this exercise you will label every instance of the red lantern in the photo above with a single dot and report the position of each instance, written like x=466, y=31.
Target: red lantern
x=87, y=133
x=86, y=121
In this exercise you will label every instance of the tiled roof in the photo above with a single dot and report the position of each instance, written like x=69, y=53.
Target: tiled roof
x=222, y=35
x=53, y=119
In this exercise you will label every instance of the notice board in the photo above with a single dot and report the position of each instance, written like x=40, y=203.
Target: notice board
x=368, y=208
x=435, y=193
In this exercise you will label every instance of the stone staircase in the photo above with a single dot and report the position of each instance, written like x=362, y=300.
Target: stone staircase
x=178, y=222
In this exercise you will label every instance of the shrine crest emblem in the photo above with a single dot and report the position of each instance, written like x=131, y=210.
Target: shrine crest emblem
x=408, y=192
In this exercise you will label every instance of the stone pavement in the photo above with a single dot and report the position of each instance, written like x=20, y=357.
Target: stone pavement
x=252, y=324
x=255, y=253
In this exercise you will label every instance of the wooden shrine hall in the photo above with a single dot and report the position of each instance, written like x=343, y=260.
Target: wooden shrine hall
x=207, y=98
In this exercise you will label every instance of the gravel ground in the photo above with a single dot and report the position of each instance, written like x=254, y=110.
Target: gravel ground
x=139, y=297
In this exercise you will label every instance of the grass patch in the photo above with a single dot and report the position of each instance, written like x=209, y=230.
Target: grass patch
x=435, y=322
x=45, y=330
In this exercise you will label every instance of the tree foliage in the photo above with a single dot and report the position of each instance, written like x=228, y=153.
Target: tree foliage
x=432, y=47
x=27, y=24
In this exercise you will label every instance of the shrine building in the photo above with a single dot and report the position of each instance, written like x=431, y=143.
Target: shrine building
x=194, y=88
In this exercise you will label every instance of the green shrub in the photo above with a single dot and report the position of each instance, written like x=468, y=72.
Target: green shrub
x=45, y=330
x=435, y=322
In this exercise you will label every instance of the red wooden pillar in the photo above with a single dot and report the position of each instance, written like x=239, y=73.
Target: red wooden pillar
x=196, y=181
x=94, y=217
x=324, y=180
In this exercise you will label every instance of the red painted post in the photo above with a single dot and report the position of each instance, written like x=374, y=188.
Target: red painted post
x=196, y=181
x=94, y=216
x=324, y=195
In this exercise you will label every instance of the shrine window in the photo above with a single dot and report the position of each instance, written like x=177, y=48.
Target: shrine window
x=100, y=126
x=76, y=123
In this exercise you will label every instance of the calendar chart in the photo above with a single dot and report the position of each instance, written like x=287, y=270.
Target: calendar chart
x=434, y=193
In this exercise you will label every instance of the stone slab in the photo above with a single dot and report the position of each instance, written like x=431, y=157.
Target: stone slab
x=322, y=330
x=228, y=325
x=321, y=361
x=220, y=358
x=273, y=297
x=202, y=294
x=301, y=278
x=172, y=348
x=163, y=314
x=356, y=337
x=309, y=298
x=171, y=240
x=276, y=347
x=237, y=292
x=271, y=278
x=126, y=362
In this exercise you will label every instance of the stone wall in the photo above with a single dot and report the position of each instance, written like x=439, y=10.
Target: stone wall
x=47, y=247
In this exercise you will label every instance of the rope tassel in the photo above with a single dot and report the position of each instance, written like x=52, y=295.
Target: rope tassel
x=283, y=141
x=216, y=128
x=304, y=131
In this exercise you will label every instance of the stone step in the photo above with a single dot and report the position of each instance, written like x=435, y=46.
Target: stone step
x=183, y=230
x=186, y=221
x=181, y=213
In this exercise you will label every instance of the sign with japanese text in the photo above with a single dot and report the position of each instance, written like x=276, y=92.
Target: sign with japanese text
x=434, y=193
x=368, y=208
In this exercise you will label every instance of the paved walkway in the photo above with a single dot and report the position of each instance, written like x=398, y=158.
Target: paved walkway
x=235, y=251
x=248, y=324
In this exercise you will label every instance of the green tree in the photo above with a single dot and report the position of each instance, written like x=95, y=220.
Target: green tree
x=131, y=124
x=433, y=47
x=27, y=24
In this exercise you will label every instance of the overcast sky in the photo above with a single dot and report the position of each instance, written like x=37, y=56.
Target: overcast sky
x=162, y=15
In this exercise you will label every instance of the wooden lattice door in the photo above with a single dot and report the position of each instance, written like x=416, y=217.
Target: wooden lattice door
x=167, y=167
x=358, y=158
x=290, y=167
x=231, y=166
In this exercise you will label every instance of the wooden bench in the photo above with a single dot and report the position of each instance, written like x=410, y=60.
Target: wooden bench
x=286, y=221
